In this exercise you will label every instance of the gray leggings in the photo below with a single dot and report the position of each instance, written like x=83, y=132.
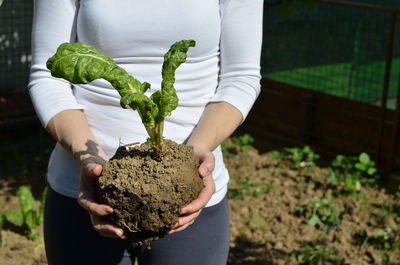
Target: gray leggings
x=71, y=240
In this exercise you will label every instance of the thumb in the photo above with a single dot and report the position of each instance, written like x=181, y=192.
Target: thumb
x=206, y=164
x=92, y=170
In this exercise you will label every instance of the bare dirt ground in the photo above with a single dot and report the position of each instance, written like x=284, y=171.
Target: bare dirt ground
x=264, y=194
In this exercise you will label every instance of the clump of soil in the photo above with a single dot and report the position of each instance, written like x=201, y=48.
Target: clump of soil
x=147, y=190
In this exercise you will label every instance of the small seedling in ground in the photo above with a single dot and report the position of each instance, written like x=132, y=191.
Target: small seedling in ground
x=258, y=223
x=322, y=213
x=297, y=158
x=385, y=239
x=349, y=173
x=249, y=187
x=28, y=218
x=317, y=255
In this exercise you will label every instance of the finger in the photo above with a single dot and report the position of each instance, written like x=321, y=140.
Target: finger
x=203, y=197
x=89, y=174
x=187, y=218
x=94, y=208
x=105, y=228
x=87, y=194
x=207, y=164
x=181, y=228
x=92, y=170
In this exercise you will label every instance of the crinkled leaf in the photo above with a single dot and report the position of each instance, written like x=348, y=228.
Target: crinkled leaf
x=167, y=100
x=14, y=217
x=80, y=63
x=26, y=199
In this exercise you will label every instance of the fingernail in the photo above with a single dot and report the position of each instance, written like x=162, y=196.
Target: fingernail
x=170, y=231
x=120, y=232
x=110, y=210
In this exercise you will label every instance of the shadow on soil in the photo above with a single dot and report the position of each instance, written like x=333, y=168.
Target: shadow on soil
x=247, y=252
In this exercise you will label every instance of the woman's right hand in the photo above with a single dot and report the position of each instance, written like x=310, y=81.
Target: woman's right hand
x=90, y=171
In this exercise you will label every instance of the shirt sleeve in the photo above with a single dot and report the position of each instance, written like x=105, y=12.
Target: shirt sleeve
x=53, y=24
x=240, y=51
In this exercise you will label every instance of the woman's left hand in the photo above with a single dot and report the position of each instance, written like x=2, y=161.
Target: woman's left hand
x=191, y=211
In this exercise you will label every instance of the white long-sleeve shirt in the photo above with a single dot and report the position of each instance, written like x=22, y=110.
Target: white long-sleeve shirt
x=224, y=66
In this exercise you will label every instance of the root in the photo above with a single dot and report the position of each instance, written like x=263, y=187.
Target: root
x=130, y=230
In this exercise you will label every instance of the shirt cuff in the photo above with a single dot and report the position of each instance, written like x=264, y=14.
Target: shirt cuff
x=240, y=93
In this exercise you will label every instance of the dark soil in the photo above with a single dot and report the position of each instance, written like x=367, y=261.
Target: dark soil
x=147, y=190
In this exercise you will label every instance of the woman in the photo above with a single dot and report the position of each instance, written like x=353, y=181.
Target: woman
x=216, y=88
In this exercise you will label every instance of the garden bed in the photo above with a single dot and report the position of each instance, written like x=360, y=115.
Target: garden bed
x=271, y=200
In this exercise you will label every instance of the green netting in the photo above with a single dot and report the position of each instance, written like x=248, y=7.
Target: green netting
x=333, y=49
x=15, y=43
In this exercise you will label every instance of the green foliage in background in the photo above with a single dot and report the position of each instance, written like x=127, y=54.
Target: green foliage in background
x=386, y=239
x=322, y=213
x=317, y=255
x=249, y=187
x=349, y=173
x=28, y=218
x=236, y=144
x=297, y=157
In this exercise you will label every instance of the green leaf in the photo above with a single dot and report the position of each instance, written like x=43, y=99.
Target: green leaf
x=276, y=155
x=80, y=63
x=32, y=235
x=371, y=171
x=314, y=220
x=41, y=208
x=364, y=158
x=338, y=161
x=13, y=217
x=26, y=199
x=30, y=220
x=332, y=178
x=360, y=166
x=384, y=257
x=166, y=99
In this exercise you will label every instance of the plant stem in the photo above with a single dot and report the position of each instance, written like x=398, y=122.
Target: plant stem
x=156, y=134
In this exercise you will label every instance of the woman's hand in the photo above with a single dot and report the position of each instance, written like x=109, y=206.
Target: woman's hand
x=90, y=171
x=191, y=211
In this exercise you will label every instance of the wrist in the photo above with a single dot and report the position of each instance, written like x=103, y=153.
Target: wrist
x=198, y=145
